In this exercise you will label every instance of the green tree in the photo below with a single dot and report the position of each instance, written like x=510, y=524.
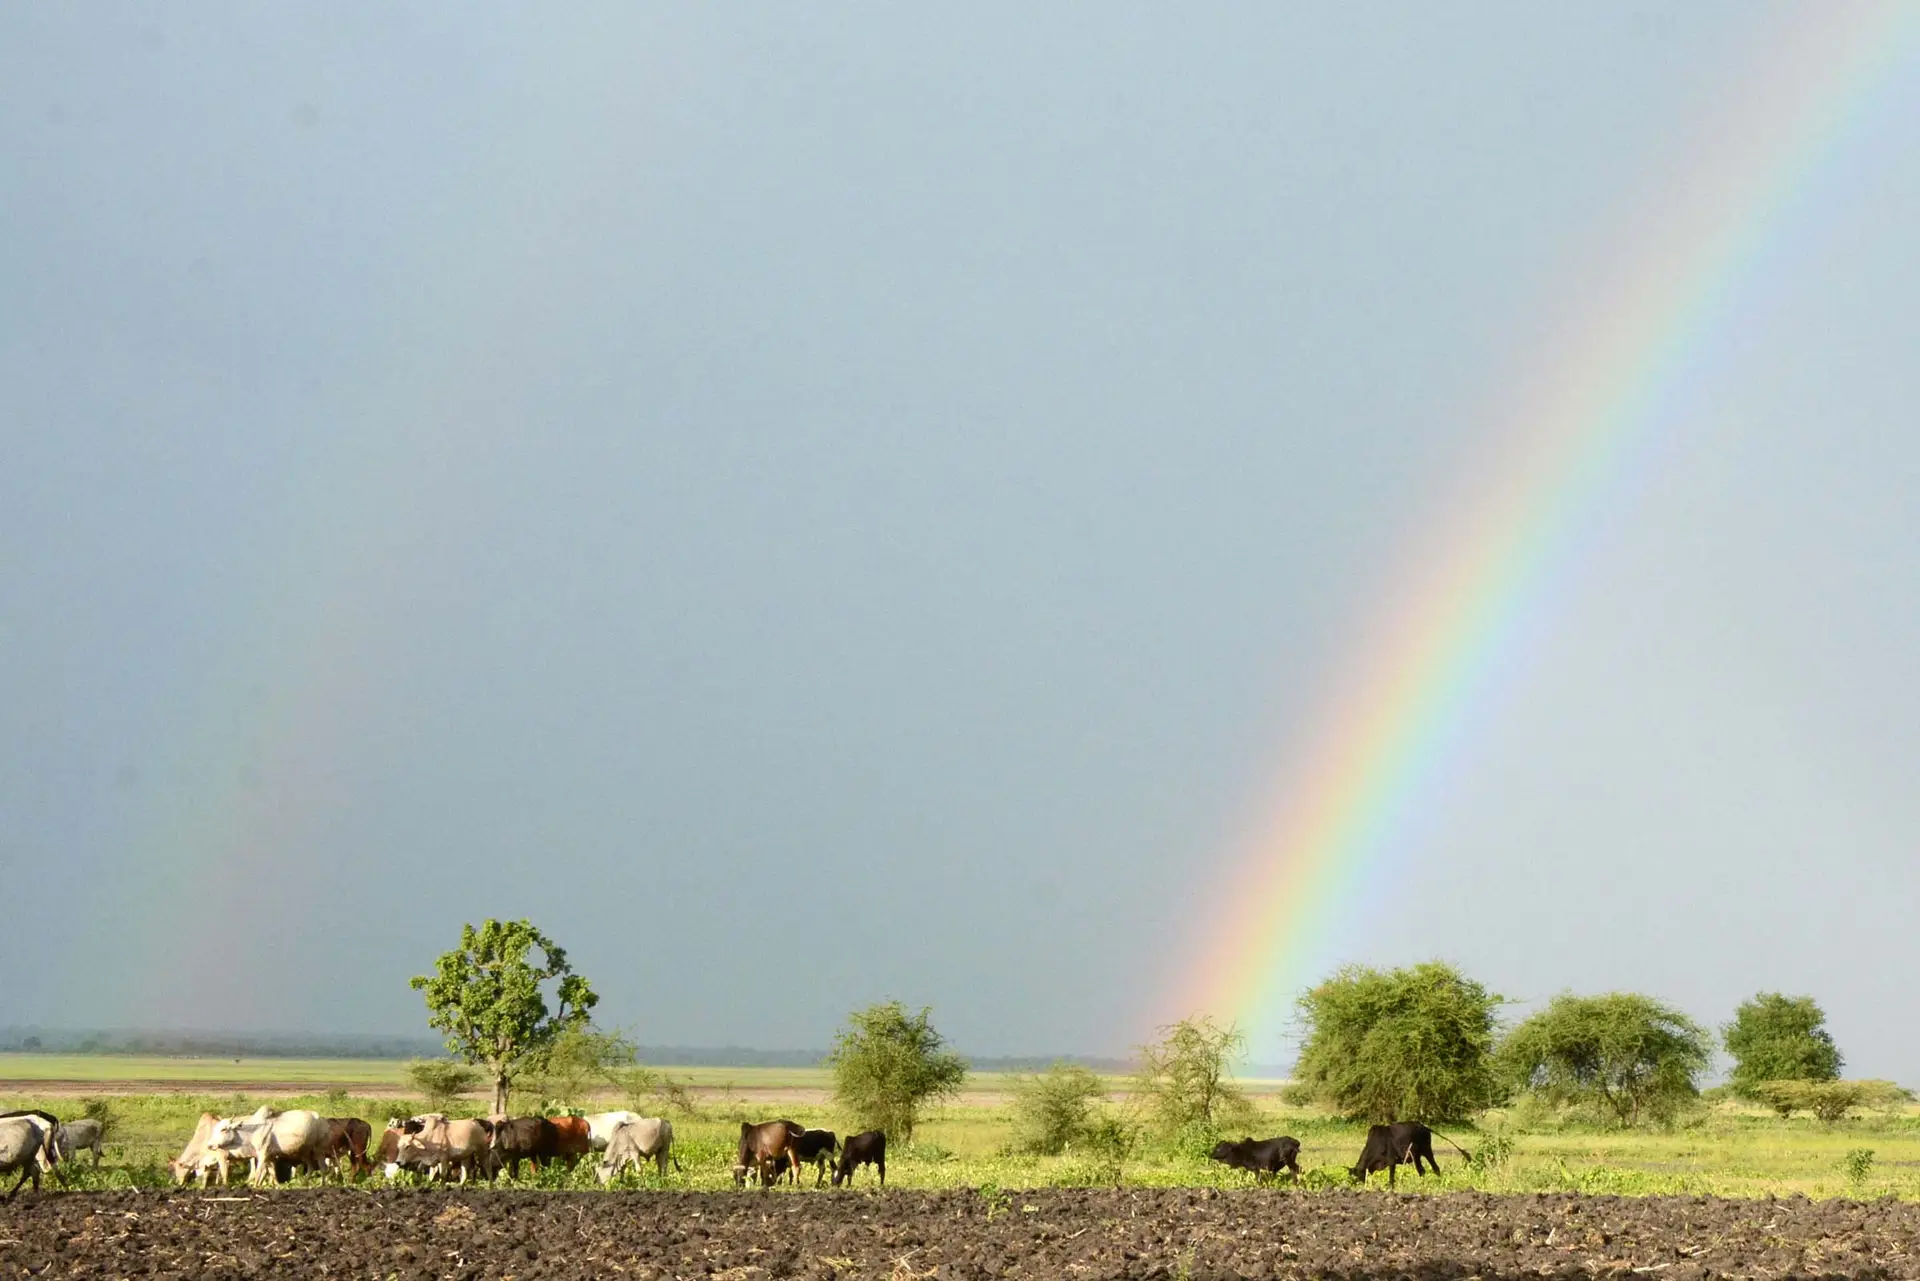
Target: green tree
x=1186, y=1076
x=1413, y=1043
x=1779, y=1038
x=1055, y=1109
x=888, y=1065
x=580, y=1060
x=487, y=997
x=1625, y=1052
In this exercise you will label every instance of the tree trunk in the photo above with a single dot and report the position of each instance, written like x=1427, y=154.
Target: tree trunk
x=499, y=1094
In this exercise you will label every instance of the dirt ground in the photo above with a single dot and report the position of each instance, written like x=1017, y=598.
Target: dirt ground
x=1053, y=1233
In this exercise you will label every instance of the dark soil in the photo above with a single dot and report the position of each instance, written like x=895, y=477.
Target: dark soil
x=1054, y=1233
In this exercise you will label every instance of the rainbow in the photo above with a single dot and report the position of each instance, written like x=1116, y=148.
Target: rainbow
x=1612, y=388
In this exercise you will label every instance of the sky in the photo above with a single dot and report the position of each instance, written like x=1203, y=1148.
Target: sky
x=813, y=506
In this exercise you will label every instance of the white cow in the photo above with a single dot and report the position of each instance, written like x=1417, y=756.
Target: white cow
x=443, y=1146
x=26, y=1145
x=634, y=1143
x=270, y=1137
x=600, y=1127
x=197, y=1157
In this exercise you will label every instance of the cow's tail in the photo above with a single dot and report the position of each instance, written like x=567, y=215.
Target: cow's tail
x=1455, y=1146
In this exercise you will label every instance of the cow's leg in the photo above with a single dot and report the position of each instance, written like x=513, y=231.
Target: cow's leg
x=881, y=1164
x=24, y=1172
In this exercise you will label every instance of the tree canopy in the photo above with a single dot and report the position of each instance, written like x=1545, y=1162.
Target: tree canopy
x=889, y=1064
x=490, y=999
x=1779, y=1038
x=1054, y=1110
x=1413, y=1043
x=1624, y=1052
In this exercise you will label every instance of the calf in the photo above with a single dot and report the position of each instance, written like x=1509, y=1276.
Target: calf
x=862, y=1149
x=1396, y=1143
x=346, y=1143
x=816, y=1148
x=83, y=1134
x=760, y=1145
x=1265, y=1157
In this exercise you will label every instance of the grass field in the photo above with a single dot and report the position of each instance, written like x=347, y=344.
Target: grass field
x=1724, y=1150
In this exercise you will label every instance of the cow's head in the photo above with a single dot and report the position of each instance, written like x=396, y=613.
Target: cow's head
x=226, y=1136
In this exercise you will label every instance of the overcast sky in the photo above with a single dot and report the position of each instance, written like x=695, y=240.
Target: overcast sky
x=816, y=504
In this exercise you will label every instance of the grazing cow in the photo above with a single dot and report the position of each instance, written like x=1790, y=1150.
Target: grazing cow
x=862, y=1149
x=600, y=1127
x=387, y=1155
x=346, y=1141
x=26, y=1145
x=1389, y=1146
x=199, y=1157
x=817, y=1148
x=573, y=1139
x=275, y=1140
x=524, y=1138
x=635, y=1143
x=1265, y=1157
x=444, y=1145
x=83, y=1134
x=760, y=1145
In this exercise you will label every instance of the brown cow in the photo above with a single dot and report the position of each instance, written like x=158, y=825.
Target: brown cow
x=573, y=1138
x=761, y=1145
x=347, y=1137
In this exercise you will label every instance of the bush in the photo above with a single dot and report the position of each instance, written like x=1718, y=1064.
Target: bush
x=442, y=1081
x=1184, y=1076
x=1779, y=1038
x=1407, y=1043
x=1830, y=1101
x=1857, y=1164
x=1054, y=1110
x=1624, y=1052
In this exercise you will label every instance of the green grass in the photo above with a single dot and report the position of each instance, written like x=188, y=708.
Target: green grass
x=1725, y=1150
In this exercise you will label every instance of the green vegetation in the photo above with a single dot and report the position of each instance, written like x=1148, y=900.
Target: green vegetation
x=486, y=997
x=888, y=1066
x=1830, y=1101
x=1415, y=1042
x=1184, y=1077
x=1779, y=1038
x=441, y=1081
x=1624, y=1053
x=1055, y=1110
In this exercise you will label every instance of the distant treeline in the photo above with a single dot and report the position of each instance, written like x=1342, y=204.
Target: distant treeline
x=348, y=1045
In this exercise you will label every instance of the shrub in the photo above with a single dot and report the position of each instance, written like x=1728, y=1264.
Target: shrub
x=441, y=1081
x=1054, y=1110
x=1415, y=1042
x=1779, y=1038
x=1184, y=1076
x=1830, y=1101
x=888, y=1065
x=1857, y=1164
x=1628, y=1053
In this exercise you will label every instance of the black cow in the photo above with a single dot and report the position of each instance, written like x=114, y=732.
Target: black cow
x=523, y=1138
x=1398, y=1142
x=862, y=1149
x=1265, y=1157
x=816, y=1148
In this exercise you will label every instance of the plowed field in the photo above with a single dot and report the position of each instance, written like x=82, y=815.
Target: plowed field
x=1052, y=1233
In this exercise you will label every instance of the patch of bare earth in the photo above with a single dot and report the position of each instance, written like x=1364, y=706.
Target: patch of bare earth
x=1195, y=1233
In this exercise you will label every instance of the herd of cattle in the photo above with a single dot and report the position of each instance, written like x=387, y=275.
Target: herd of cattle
x=274, y=1143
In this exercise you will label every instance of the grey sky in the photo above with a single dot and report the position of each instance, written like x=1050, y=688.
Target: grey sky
x=812, y=505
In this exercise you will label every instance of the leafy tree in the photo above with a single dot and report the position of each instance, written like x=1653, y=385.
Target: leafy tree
x=1830, y=1101
x=1626, y=1052
x=487, y=997
x=1779, y=1038
x=441, y=1081
x=888, y=1064
x=1185, y=1076
x=580, y=1060
x=1055, y=1109
x=1413, y=1043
